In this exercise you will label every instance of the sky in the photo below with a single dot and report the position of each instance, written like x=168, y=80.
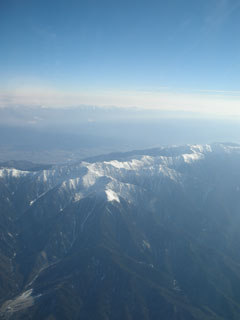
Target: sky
x=168, y=55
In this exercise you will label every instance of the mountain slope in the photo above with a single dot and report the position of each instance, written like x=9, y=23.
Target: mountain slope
x=150, y=234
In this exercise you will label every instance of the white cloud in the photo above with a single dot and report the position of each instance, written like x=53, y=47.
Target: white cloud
x=215, y=102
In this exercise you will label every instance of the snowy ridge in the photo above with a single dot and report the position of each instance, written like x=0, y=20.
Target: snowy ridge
x=189, y=158
x=118, y=178
x=72, y=199
x=13, y=173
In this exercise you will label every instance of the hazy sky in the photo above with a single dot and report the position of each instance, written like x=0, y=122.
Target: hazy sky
x=173, y=55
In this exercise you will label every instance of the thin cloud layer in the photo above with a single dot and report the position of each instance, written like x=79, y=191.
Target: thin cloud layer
x=217, y=102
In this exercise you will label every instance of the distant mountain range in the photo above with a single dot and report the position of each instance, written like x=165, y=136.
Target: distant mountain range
x=142, y=235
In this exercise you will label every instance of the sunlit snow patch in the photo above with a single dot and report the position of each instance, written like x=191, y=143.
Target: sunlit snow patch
x=189, y=158
x=5, y=172
x=78, y=196
x=112, y=196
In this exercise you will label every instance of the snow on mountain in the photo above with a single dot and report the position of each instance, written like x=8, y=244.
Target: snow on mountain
x=118, y=178
x=111, y=195
x=154, y=208
x=13, y=173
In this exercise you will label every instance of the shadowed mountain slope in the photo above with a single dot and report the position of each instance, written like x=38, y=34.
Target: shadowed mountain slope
x=150, y=234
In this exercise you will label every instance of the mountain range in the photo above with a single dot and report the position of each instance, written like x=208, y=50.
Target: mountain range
x=147, y=234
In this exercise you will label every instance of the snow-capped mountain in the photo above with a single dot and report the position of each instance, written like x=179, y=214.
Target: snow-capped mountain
x=145, y=234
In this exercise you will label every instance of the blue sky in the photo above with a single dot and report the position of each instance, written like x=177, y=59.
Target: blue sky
x=174, y=55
